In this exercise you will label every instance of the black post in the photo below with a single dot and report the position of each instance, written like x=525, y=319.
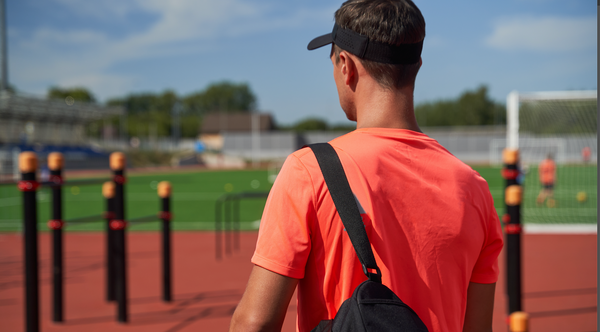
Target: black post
x=227, y=226
x=513, y=255
x=28, y=185
x=117, y=164
x=108, y=191
x=236, y=224
x=55, y=164
x=164, y=192
x=218, y=212
x=512, y=219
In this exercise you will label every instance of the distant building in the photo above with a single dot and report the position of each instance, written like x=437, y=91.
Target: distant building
x=29, y=123
x=33, y=120
x=215, y=125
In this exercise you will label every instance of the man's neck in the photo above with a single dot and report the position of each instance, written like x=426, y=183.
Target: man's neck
x=382, y=108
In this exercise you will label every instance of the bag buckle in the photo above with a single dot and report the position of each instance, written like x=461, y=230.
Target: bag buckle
x=376, y=277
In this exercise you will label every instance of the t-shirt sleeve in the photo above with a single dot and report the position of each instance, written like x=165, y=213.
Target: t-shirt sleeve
x=284, y=237
x=486, y=268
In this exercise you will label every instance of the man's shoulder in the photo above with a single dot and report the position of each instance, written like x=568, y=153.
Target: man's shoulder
x=303, y=156
x=365, y=144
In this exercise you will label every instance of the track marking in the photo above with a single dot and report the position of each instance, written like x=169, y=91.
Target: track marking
x=561, y=228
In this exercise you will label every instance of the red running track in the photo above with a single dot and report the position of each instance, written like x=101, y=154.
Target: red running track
x=560, y=284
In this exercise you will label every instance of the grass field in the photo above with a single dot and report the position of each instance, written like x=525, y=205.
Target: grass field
x=193, y=200
x=570, y=180
x=195, y=194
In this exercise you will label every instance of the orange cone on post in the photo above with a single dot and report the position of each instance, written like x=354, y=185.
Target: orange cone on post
x=519, y=322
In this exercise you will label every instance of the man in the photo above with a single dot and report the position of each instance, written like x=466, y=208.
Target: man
x=547, y=174
x=430, y=219
x=586, y=154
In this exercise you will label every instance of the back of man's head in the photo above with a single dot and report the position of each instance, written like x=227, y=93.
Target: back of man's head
x=393, y=22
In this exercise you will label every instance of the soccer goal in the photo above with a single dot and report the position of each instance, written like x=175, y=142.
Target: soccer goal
x=562, y=126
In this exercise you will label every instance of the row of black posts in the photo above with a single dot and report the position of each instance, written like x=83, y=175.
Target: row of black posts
x=229, y=206
x=116, y=264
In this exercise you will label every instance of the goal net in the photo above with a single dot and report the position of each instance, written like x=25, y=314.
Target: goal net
x=561, y=126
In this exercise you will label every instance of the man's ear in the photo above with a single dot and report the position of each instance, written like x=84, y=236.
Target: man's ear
x=348, y=68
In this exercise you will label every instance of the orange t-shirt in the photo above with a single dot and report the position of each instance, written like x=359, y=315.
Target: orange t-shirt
x=430, y=220
x=547, y=170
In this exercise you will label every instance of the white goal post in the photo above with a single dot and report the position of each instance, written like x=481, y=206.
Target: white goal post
x=515, y=98
x=561, y=125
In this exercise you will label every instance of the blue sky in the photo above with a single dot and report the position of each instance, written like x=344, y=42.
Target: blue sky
x=117, y=47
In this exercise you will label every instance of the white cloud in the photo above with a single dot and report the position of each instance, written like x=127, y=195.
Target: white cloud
x=99, y=9
x=71, y=57
x=49, y=37
x=554, y=34
x=189, y=19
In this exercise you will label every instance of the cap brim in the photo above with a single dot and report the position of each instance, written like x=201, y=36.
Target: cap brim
x=320, y=42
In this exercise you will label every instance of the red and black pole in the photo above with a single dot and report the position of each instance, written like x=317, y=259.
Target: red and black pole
x=28, y=185
x=117, y=164
x=108, y=191
x=164, y=192
x=56, y=164
x=512, y=219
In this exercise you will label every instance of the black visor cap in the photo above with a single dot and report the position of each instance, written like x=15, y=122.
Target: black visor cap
x=364, y=48
x=320, y=42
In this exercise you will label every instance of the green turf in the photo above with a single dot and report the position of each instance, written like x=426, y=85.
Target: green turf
x=570, y=180
x=193, y=200
x=195, y=194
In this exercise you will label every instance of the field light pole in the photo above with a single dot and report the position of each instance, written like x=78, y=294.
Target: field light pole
x=255, y=122
x=3, y=48
x=176, y=124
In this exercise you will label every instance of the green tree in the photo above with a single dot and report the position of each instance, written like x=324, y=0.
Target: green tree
x=471, y=108
x=11, y=88
x=221, y=97
x=190, y=125
x=343, y=127
x=78, y=94
x=143, y=103
x=310, y=124
x=149, y=113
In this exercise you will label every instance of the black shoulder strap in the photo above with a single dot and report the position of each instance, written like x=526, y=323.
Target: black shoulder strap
x=345, y=203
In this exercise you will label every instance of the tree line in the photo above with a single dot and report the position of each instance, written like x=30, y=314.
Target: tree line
x=471, y=108
x=152, y=114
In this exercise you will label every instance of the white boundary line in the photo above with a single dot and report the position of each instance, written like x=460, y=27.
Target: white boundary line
x=561, y=229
